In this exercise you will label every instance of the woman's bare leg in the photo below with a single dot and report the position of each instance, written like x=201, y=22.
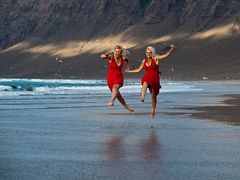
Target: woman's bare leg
x=144, y=91
x=122, y=101
x=154, y=103
x=115, y=92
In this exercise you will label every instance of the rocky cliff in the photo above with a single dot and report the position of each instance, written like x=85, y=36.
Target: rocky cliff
x=63, y=39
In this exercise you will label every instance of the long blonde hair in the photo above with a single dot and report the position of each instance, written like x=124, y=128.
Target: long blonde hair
x=124, y=51
x=152, y=49
x=119, y=47
x=116, y=47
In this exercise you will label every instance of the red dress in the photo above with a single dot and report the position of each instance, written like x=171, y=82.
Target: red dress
x=115, y=75
x=152, y=76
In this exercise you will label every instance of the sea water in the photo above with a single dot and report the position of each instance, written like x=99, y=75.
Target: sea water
x=89, y=91
x=15, y=87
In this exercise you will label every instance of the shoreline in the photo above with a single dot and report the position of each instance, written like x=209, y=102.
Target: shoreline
x=225, y=81
x=228, y=112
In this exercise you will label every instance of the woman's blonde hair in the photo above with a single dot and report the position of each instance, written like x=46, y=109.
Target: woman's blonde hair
x=116, y=47
x=119, y=47
x=152, y=49
x=124, y=51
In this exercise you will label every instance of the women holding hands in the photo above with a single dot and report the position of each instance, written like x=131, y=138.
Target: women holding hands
x=151, y=78
x=115, y=79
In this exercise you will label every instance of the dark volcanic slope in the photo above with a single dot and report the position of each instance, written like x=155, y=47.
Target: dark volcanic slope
x=33, y=34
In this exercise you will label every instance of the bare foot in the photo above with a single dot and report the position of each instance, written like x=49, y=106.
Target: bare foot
x=153, y=114
x=128, y=108
x=110, y=103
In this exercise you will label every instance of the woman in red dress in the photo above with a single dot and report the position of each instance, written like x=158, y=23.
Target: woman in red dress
x=151, y=78
x=115, y=76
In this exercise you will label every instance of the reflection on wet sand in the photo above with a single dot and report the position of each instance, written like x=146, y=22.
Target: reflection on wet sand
x=150, y=147
x=115, y=150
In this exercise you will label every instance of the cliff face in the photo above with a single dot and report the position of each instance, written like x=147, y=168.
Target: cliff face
x=34, y=33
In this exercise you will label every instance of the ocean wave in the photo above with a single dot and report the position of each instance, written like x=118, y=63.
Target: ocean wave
x=51, y=81
x=5, y=88
x=15, y=87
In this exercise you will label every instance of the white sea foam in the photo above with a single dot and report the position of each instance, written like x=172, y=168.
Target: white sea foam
x=69, y=81
x=5, y=88
x=58, y=86
x=71, y=90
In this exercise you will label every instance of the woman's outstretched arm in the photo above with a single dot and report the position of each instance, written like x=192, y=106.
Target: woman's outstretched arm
x=163, y=56
x=139, y=69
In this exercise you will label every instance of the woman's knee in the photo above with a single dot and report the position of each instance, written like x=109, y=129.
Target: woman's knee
x=145, y=84
x=154, y=95
x=116, y=86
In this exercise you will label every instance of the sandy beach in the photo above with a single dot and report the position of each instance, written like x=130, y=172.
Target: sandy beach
x=228, y=112
x=64, y=130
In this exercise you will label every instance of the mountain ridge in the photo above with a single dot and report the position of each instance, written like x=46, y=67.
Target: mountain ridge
x=36, y=33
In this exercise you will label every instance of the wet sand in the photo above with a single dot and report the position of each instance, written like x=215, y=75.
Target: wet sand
x=79, y=137
x=229, y=112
